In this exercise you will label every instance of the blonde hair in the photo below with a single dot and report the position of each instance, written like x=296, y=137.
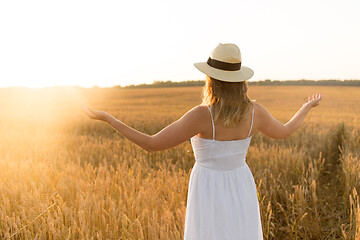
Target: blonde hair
x=229, y=101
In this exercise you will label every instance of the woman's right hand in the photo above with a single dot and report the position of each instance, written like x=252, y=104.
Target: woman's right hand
x=91, y=113
x=314, y=100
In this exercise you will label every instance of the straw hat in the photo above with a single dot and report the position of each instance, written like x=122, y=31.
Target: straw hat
x=224, y=64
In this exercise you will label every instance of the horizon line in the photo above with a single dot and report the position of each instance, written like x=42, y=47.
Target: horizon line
x=170, y=81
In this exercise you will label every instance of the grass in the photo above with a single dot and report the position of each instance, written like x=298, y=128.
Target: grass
x=64, y=176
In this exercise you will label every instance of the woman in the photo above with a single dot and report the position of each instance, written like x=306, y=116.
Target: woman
x=222, y=200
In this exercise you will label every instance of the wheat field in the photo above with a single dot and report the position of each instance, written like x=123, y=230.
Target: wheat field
x=64, y=176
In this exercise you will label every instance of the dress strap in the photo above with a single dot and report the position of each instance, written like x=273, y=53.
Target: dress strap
x=212, y=121
x=252, y=120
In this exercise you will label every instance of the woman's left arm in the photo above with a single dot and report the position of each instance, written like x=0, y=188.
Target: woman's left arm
x=172, y=135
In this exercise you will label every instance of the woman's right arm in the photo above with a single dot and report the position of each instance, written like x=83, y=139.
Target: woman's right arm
x=190, y=124
x=273, y=128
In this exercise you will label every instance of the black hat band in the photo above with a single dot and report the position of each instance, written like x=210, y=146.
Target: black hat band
x=224, y=65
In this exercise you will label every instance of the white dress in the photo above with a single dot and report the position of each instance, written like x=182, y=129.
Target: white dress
x=222, y=201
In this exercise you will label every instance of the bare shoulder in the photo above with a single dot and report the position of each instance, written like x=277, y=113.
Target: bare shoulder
x=195, y=118
x=262, y=116
x=259, y=109
x=198, y=112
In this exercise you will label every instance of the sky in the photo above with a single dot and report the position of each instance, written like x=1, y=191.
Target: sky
x=107, y=43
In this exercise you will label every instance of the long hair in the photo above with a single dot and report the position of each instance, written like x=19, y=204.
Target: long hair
x=229, y=101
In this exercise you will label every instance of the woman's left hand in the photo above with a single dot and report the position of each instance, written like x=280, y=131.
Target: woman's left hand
x=91, y=113
x=314, y=100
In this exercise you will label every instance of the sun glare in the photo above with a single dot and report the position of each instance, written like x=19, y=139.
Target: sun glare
x=42, y=108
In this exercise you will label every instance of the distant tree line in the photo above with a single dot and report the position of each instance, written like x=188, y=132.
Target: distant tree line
x=302, y=82
x=165, y=84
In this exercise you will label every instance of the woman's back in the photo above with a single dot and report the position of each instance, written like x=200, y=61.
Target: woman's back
x=221, y=154
x=222, y=200
x=222, y=133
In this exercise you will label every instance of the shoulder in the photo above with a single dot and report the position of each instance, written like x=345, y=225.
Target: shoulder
x=259, y=109
x=195, y=118
x=200, y=109
x=262, y=115
x=198, y=112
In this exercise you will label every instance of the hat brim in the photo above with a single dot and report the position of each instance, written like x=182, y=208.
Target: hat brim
x=245, y=73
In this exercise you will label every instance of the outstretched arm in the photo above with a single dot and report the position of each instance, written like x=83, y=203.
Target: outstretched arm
x=271, y=127
x=171, y=136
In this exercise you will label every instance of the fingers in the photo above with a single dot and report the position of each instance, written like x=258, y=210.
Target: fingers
x=314, y=99
x=317, y=96
x=87, y=110
x=84, y=108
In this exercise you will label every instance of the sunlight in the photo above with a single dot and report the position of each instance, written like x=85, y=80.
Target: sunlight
x=43, y=109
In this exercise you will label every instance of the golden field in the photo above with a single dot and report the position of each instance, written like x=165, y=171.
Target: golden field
x=64, y=176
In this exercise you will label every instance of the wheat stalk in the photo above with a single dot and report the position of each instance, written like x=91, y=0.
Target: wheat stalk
x=17, y=232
